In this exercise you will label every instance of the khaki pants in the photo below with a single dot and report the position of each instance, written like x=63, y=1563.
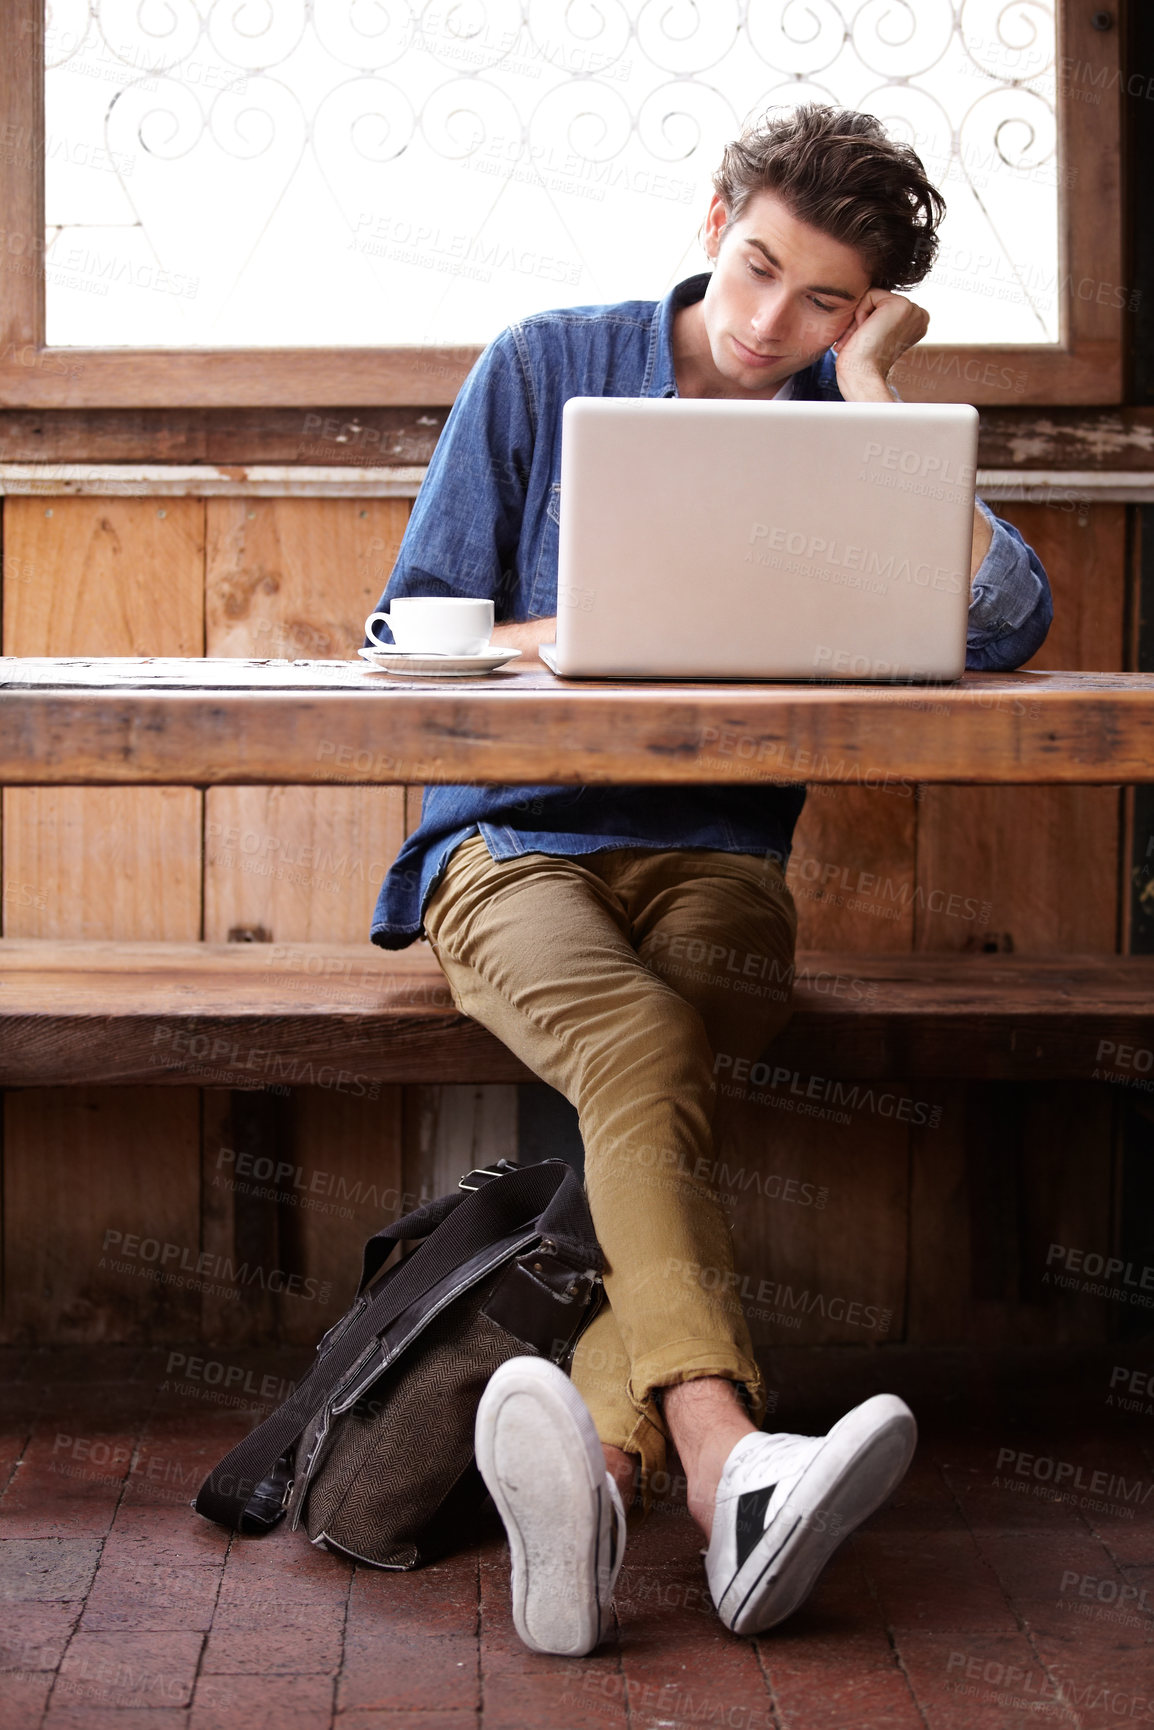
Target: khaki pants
x=618, y=977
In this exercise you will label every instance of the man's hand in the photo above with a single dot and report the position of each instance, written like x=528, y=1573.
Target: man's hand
x=883, y=327
x=526, y=637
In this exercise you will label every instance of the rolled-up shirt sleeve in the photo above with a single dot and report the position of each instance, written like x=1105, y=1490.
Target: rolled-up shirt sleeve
x=1010, y=602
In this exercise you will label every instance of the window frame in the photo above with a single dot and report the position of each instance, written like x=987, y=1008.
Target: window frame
x=1084, y=367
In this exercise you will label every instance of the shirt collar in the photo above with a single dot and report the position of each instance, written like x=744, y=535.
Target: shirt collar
x=660, y=377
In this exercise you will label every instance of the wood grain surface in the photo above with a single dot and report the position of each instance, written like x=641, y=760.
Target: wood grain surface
x=222, y=722
x=293, y=864
x=304, y=1067
x=284, y=578
x=1043, y=862
x=1009, y=437
x=86, y=1169
x=363, y=437
x=105, y=576
x=1004, y=1172
x=344, y=1017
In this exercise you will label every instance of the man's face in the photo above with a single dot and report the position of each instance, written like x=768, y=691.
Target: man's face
x=781, y=292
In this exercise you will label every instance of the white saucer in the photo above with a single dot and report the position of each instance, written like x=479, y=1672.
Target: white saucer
x=388, y=659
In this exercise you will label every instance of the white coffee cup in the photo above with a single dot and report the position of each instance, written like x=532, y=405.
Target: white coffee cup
x=436, y=624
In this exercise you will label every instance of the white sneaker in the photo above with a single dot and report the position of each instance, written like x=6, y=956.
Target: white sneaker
x=785, y=1503
x=544, y=1467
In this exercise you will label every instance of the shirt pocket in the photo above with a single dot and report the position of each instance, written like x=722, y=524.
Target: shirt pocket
x=543, y=594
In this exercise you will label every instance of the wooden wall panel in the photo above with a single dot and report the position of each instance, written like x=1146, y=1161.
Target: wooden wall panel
x=449, y=1130
x=101, y=1215
x=346, y=1184
x=1008, y=1172
x=1084, y=552
x=1034, y=869
x=819, y=1215
x=105, y=577
x=294, y=1181
x=103, y=862
x=234, y=1224
x=1042, y=861
x=296, y=578
x=852, y=868
x=1043, y=866
x=302, y=864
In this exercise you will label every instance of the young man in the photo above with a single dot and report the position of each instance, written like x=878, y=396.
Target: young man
x=554, y=912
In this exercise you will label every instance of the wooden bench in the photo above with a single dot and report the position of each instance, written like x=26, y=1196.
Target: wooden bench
x=250, y=1015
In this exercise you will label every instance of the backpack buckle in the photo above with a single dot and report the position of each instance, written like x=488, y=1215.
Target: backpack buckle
x=483, y=1174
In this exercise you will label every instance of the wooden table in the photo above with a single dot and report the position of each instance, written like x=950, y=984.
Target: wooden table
x=214, y=722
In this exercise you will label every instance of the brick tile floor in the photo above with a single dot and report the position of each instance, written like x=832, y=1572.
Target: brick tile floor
x=1009, y=1582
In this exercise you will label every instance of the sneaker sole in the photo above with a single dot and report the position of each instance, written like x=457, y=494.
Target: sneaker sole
x=544, y=1467
x=865, y=1458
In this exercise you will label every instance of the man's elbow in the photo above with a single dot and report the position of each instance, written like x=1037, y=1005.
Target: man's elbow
x=1015, y=645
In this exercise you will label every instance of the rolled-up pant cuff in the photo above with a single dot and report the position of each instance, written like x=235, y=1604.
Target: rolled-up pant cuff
x=645, y=1433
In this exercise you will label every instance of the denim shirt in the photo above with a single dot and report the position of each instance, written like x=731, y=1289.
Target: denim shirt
x=485, y=524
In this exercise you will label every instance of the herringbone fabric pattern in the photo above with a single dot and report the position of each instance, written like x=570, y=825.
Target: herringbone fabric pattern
x=397, y=1456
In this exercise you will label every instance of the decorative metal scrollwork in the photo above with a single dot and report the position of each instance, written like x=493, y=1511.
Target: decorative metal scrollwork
x=375, y=102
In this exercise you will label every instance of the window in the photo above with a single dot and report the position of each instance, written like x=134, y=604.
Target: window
x=342, y=200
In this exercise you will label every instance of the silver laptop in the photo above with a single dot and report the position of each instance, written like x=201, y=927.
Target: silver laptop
x=764, y=540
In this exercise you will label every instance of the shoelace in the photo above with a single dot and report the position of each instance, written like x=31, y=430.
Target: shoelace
x=780, y=1465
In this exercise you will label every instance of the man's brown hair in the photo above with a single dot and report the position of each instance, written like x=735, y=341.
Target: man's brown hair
x=837, y=170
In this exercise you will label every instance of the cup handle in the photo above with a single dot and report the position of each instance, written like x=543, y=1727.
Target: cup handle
x=370, y=633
